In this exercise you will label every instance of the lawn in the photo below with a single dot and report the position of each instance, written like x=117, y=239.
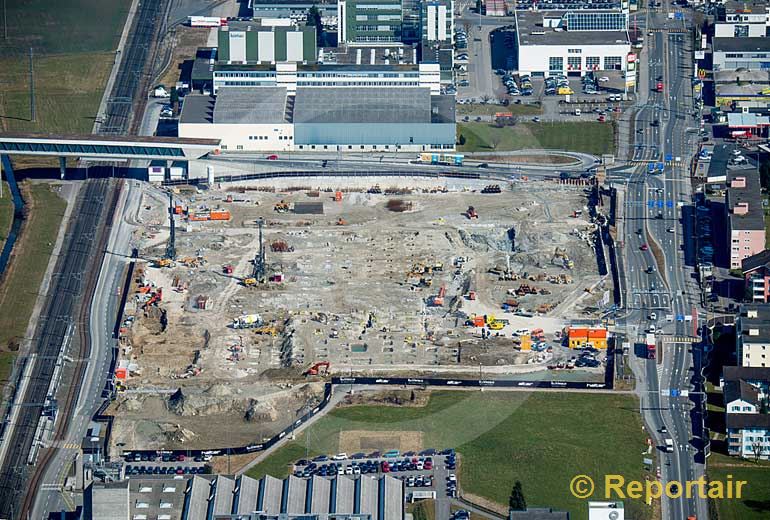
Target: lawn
x=589, y=137
x=27, y=268
x=755, y=504
x=65, y=26
x=524, y=109
x=542, y=439
x=6, y=213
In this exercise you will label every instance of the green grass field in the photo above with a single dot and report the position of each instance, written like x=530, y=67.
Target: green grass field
x=73, y=44
x=6, y=214
x=589, y=137
x=66, y=26
x=32, y=252
x=542, y=439
x=755, y=504
x=481, y=110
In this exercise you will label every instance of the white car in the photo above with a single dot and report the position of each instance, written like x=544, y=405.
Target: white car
x=340, y=456
x=653, y=316
x=604, y=79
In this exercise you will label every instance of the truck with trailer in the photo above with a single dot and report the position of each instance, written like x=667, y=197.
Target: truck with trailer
x=448, y=159
x=206, y=21
x=650, y=344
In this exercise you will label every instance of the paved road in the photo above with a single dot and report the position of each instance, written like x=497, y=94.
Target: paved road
x=651, y=205
x=51, y=497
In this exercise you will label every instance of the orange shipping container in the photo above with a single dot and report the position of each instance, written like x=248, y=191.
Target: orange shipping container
x=121, y=373
x=199, y=216
x=338, y=196
x=220, y=215
x=478, y=321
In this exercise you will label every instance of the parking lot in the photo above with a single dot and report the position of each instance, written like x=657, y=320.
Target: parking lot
x=428, y=470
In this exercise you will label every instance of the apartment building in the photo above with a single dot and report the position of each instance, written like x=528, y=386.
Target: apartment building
x=745, y=216
x=752, y=335
x=746, y=411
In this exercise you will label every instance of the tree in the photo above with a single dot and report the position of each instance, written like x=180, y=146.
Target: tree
x=461, y=140
x=174, y=99
x=756, y=447
x=764, y=174
x=314, y=20
x=516, y=501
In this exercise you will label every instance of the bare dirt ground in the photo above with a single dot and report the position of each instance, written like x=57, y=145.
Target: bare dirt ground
x=352, y=441
x=360, y=287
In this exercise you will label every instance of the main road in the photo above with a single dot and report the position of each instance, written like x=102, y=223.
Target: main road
x=660, y=292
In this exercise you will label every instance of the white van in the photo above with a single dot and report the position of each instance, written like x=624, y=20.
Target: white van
x=577, y=112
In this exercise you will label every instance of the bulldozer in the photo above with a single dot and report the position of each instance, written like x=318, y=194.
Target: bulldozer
x=163, y=262
x=281, y=207
x=266, y=329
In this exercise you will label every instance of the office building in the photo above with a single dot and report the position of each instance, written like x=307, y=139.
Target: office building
x=437, y=20
x=369, y=21
x=570, y=43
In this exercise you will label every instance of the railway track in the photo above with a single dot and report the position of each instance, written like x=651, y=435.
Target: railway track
x=70, y=292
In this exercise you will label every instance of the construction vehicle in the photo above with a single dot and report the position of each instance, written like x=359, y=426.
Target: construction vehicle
x=227, y=269
x=318, y=369
x=337, y=196
x=281, y=207
x=425, y=282
x=163, y=262
x=438, y=266
x=375, y=190
x=249, y=282
x=269, y=330
x=342, y=222
x=495, y=324
x=471, y=213
x=156, y=297
x=247, y=321
x=438, y=300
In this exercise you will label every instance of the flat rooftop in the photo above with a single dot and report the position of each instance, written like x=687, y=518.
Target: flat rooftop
x=364, y=105
x=754, y=219
x=239, y=105
x=395, y=54
x=741, y=44
x=530, y=24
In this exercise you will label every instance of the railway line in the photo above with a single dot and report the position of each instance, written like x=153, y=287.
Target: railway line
x=65, y=310
x=128, y=96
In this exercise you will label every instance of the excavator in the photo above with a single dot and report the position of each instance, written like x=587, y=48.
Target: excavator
x=438, y=300
x=318, y=369
x=266, y=329
x=163, y=262
x=154, y=299
x=281, y=207
x=249, y=282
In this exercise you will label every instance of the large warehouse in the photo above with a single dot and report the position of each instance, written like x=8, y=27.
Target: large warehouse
x=209, y=497
x=261, y=119
x=571, y=43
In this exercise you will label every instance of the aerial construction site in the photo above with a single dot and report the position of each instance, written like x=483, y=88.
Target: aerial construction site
x=267, y=287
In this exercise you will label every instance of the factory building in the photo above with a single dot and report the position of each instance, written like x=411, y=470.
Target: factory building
x=344, y=119
x=293, y=76
x=570, y=43
x=294, y=9
x=216, y=496
x=266, y=41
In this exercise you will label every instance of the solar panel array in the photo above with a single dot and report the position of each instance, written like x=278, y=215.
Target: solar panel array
x=596, y=21
x=563, y=5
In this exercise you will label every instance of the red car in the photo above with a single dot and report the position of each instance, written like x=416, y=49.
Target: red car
x=272, y=157
x=644, y=247
x=385, y=467
x=602, y=119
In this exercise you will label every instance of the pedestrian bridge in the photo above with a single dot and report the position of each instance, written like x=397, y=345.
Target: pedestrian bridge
x=107, y=148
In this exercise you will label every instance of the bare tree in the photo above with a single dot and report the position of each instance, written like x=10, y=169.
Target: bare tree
x=495, y=139
x=756, y=447
x=485, y=99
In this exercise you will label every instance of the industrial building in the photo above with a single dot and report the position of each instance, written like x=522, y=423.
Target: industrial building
x=745, y=216
x=266, y=41
x=571, y=43
x=261, y=119
x=214, y=496
x=293, y=76
x=294, y=9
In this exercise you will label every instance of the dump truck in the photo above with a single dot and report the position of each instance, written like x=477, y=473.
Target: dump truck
x=247, y=321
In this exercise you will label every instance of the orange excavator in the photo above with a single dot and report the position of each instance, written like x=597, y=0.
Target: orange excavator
x=154, y=299
x=318, y=369
x=438, y=301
